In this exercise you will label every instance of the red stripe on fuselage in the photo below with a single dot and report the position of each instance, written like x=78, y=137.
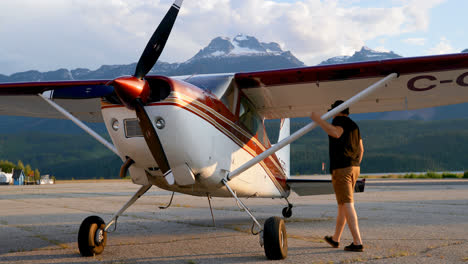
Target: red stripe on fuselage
x=209, y=106
x=245, y=143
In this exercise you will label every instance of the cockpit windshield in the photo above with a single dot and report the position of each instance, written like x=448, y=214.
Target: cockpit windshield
x=218, y=84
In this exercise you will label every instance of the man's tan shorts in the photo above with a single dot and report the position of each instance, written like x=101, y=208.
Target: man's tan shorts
x=344, y=181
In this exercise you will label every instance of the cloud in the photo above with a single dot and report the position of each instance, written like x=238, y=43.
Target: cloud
x=381, y=49
x=417, y=13
x=51, y=34
x=443, y=47
x=415, y=41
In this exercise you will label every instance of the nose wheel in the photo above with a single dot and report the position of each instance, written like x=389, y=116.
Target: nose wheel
x=92, y=236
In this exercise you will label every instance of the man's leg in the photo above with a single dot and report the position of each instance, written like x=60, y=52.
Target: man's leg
x=340, y=223
x=351, y=218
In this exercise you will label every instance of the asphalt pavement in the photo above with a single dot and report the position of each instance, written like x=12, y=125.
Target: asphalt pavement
x=401, y=221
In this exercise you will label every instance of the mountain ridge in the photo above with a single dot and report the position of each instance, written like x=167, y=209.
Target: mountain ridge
x=221, y=55
x=365, y=54
x=242, y=53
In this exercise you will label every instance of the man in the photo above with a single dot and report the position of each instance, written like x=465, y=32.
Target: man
x=345, y=150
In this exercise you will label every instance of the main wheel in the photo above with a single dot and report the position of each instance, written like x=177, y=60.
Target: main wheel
x=91, y=237
x=287, y=212
x=275, y=239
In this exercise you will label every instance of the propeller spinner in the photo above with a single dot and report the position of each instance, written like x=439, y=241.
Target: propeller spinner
x=134, y=91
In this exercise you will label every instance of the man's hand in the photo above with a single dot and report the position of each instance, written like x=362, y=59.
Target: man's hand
x=331, y=130
x=315, y=117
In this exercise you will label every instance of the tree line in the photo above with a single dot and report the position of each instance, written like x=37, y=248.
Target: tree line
x=390, y=146
x=8, y=167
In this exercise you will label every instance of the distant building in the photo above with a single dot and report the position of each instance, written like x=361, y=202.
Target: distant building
x=6, y=178
x=29, y=179
x=18, y=177
x=45, y=179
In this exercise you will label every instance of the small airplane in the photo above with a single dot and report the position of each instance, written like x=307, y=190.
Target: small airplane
x=204, y=135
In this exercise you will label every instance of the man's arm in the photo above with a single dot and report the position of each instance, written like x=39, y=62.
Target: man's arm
x=362, y=151
x=331, y=130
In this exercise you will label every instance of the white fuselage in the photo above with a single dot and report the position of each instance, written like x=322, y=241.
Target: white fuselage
x=194, y=138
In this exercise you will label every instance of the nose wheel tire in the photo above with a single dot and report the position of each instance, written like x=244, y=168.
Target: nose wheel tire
x=287, y=212
x=91, y=237
x=275, y=239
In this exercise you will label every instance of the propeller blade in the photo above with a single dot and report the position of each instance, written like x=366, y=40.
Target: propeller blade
x=157, y=42
x=151, y=137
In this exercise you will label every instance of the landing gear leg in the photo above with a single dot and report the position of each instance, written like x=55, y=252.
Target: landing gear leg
x=92, y=236
x=273, y=235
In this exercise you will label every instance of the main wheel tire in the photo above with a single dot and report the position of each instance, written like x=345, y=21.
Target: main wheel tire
x=91, y=237
x=287, y=212
x=275, y=239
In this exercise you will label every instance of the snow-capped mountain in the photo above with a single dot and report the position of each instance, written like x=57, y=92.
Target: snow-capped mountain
x=465, y=51
x=241, y=45
x=240, y=54
x=365, y=54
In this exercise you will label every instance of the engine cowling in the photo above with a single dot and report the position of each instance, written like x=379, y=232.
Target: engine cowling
x=129, y=89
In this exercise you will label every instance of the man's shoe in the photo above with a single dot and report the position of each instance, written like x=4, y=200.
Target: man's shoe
x=355, y=248
x=330, y=241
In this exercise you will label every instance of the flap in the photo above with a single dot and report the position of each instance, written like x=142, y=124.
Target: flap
x=305, y=187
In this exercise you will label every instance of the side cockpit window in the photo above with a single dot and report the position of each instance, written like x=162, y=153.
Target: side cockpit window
x=250, y=119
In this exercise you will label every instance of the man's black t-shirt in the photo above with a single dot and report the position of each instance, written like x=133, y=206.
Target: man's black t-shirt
x=345, y=151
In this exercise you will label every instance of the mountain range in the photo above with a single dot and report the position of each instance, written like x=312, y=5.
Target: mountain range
x=241, y=53
x=365, y=54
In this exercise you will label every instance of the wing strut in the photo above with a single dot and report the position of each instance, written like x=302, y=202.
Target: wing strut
x=301, y=132
x=80, y=124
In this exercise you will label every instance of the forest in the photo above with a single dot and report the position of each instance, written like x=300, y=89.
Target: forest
x=390, y=146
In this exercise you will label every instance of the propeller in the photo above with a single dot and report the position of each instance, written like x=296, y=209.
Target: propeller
x=157, y=42
x=134, y=91
x=151, y=138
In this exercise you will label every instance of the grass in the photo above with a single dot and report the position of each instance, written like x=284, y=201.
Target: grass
x=427, y=175
x=433, y=175
x=91, y=181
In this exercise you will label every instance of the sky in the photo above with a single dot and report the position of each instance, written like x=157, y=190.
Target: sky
x=52, y=34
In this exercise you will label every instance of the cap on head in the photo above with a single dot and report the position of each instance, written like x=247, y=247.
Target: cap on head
x=336, y=104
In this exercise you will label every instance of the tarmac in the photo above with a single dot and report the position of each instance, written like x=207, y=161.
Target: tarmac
x=401, y=221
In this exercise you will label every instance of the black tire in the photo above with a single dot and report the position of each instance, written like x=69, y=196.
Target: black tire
x=287, y=212
x=275, y=239
x=87, y=243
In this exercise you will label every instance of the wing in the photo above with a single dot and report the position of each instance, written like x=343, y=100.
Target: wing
x=81, y=98
x=305, y=187
x=422, y=82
